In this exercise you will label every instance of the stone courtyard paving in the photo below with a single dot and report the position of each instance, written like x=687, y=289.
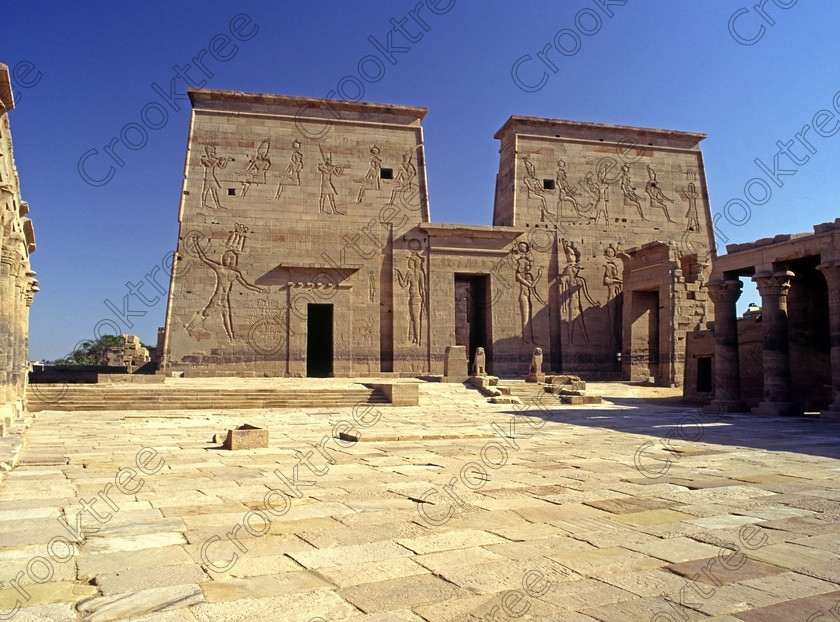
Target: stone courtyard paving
x=637, y=509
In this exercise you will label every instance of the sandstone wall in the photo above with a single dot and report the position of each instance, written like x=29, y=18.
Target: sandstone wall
x=17, y=282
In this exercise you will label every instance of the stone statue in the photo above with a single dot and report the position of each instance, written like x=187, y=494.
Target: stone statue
x=535, y=372
x=536, y=361
x=479, y=363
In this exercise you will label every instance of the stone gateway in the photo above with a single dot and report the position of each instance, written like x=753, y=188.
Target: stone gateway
x=306, y=247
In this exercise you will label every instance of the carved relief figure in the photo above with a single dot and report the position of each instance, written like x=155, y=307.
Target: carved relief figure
x=404, y=181
x=600, y=189
x=564, y=189
x=690, y=195
x=479, y=363
x=630, y=196
x=524, y=264
x=210, y=186
x=227, y=274
x=614, y=282
x=657, y=197
x=612, y=275
x=257, y=167
x=575, y=292
x=371, y=178
x=535, y=188
x=415, y=280
x=291, y=176
x=328, y=191
x=237, y=237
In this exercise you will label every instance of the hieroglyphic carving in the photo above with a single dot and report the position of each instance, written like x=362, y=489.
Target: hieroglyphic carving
x=210, y=185
x=291, y=176
x=414, y=279
x=535, y=188
x=371, y=178
x=328, y=191
x=574, y=292
x=257, y=167
x=657, y=197
x=524, y=264
x=371, y=286
x=404, y=181
x=227, y=274
x=690, y=195
x=630, y=196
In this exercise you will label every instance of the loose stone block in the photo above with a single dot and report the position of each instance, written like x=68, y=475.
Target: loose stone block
x=246, y=437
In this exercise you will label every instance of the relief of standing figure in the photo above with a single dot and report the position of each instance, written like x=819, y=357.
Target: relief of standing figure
x=328, y=191
x=527, y=288
x=211, y=185
x=291, y=176
x=691, y=195
x=415, y=280
x=371, y=178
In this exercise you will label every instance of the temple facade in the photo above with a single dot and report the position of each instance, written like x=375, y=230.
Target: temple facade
x=17, y=280
x=306, y=247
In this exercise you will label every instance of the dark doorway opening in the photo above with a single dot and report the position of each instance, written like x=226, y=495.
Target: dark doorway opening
x=644, y=336
x=704, y=374
x=472, y=315
x=319, y=341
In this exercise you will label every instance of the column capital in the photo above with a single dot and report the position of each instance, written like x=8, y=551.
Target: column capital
x=773, y=283
x=724, y=291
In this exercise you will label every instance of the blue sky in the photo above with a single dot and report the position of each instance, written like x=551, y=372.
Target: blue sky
x=84, y=73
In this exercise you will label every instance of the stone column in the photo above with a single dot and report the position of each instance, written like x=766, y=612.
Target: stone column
x=831, y=271
x=727, y=388
x=774, y=288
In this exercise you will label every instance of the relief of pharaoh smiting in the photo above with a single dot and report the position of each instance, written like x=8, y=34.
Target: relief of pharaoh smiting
x=226, y=272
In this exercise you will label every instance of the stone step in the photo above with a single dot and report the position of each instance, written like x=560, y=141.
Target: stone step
x=98, y=397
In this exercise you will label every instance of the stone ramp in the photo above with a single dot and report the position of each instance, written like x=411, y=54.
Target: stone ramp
x=191, y=396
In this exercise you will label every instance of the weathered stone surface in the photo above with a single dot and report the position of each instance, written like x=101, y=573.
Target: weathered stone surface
x=17, y=279
x=246, y=437
x=243, y=303
x=142, y=602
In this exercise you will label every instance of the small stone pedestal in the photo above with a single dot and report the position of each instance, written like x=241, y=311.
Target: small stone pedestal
x=455, y=364
x=246, y=437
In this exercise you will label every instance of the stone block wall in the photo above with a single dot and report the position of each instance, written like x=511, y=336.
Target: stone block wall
x=585, y=193
x=17, y=282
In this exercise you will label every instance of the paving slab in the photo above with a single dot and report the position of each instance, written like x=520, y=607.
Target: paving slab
x=348, y=542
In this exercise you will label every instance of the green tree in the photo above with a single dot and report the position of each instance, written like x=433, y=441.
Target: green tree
x=93, y=352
